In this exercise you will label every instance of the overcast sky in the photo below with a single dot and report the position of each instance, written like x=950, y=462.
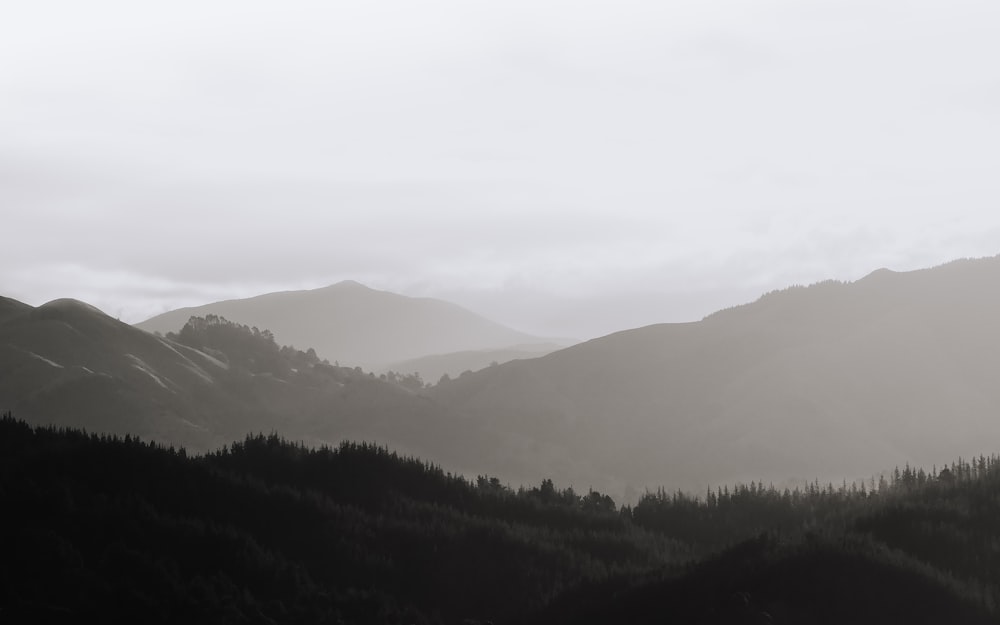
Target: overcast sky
x=569, y=168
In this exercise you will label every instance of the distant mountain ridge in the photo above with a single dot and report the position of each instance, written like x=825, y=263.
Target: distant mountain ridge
x=355, y=325
x=831, y=381
x=435, y=366
x=805, y=382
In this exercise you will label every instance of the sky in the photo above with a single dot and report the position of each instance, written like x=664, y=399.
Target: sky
x=567, y=168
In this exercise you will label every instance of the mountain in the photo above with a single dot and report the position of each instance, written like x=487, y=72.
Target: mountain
x=353, y=324
x=832, y=381
x=67, y=363
x=836, y=380
x=432, y=368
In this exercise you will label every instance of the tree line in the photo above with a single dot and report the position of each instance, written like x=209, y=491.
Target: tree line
x=265, y=530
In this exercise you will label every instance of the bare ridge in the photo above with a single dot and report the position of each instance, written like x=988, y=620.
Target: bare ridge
x=835, y=380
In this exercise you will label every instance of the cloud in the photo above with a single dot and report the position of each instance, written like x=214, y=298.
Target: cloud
x=643, y=151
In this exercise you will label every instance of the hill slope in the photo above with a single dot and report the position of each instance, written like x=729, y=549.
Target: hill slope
x=353, y=324
x=831, y=381
x=67, y=363
x=433, y=367
x=834, y=380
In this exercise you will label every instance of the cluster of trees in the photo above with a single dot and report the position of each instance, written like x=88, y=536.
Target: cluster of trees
x=725, y=515
x=241, y=346
x=411, y=381
x=252, y=350
x=263, y=530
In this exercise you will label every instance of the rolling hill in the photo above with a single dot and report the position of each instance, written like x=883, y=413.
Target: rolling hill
x=832, y=381
x=68, y=364
x=355, y=325
x=835, y=380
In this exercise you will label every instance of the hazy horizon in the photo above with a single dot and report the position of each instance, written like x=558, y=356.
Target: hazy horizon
x=564, y=169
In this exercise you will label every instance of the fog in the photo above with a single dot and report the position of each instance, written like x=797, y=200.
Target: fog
x=392, y=275
x=568, y=169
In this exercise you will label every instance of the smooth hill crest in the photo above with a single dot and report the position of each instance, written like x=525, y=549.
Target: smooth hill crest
x=835, y=380
x=355, y=325
x=68, y=364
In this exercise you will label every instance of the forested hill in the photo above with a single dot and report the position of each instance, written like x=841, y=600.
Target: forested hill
x=118, y=530
x=106, y=529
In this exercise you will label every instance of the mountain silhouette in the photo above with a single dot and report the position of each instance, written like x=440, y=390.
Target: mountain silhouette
x=815, y=381
x=434, y=366
x=831, y=381
x=355, y=325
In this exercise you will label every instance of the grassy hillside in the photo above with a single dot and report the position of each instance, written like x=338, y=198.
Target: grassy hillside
x=68, y=364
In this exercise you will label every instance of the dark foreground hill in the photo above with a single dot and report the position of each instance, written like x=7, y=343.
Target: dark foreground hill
x=265, y=531
x=357, y=326
x=833, y=380
x=101, y=529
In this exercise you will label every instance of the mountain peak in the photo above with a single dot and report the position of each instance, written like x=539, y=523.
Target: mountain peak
x=352, y=323
x=880, y=273
x=349, y=284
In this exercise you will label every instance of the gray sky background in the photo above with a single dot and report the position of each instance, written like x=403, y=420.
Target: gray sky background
x=568, y=168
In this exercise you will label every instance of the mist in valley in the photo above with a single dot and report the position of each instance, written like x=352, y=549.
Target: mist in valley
x=500, y=312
